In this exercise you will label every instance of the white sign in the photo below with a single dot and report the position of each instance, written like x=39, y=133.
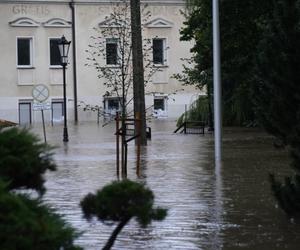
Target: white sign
x=40, y=92
x=41, y=106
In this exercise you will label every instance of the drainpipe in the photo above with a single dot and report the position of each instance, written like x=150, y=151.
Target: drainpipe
x=71, y=4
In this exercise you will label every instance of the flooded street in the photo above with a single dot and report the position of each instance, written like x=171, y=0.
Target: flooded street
x=231, y=209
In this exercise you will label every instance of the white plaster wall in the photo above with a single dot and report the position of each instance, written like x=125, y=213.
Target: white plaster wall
x=9, y=108
x=89, y=88
x=88, y=17
x=40, y=73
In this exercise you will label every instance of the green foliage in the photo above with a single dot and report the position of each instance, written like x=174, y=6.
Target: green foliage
x=120, y=201
x=277, y=88
x=260, y=71
x=198, y=111
x=28, y=224
x=288, y=194
x=239, y=32
x=23, y=159
x=277, y=91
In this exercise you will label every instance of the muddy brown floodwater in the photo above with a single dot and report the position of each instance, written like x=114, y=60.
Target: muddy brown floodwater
x=233, y=209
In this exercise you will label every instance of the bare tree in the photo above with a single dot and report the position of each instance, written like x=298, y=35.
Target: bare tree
x=110, y=53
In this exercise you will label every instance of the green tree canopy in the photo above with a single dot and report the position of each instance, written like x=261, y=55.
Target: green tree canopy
x=260, y=61
x=24, y=159
x=28, y=224
x=120, y=201
x=240, y=33
x=277, y=91
x=277, y=88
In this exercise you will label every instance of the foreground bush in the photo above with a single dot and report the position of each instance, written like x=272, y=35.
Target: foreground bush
x=119, y=202
x=26, y=223
x=24, y=159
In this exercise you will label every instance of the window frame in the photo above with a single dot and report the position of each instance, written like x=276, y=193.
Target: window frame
x=116, y=41
x=164, y=52
x=53, y=102
x=106, y=104
x=164, y=112
x=161, y=98
x=55, y=66
x=29, y=103
x=31, y=52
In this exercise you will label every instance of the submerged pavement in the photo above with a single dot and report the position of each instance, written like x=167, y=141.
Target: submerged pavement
x=232, y=210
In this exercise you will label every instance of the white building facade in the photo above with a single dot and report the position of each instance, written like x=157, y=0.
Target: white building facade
x=30, y=57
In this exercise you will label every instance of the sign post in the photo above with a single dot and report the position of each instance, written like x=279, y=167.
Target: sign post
x=40, y=93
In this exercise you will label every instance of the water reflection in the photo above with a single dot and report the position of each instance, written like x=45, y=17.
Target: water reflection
x=218, y=208
x=229, y=207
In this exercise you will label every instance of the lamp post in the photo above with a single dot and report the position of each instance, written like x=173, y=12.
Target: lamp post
x=64, y=46
x=217, y=84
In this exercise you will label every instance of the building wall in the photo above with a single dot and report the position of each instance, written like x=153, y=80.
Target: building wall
x=16, y=84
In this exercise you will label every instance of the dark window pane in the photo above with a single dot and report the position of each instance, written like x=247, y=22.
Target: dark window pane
x=159, y=104
x=111, y=53
x=113, y=104
x=54, y=52
x=24, y=51
x=158, y=51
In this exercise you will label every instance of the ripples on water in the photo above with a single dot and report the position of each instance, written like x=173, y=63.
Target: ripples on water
x=231, y=210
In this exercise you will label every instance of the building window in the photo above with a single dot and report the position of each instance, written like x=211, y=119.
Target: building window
x=111, y=51
x=57, y=111
x=159, y=104
x=159, y=107
x=25, y=113
x=159, y=56
x=54, y=52
x=24, y=51
x=111, y=105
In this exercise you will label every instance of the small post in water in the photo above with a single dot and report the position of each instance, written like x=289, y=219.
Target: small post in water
x=117, y=144
x=44, y=129
x=138, y=151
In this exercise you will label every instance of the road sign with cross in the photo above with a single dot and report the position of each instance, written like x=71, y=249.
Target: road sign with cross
x=40, y=92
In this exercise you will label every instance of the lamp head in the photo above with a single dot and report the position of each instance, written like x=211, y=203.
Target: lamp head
x=64, y=46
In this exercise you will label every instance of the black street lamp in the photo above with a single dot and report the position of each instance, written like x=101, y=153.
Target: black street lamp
x=64, y=46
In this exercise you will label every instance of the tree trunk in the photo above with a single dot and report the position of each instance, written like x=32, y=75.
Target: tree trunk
x=114, y=235
x=138, y=68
